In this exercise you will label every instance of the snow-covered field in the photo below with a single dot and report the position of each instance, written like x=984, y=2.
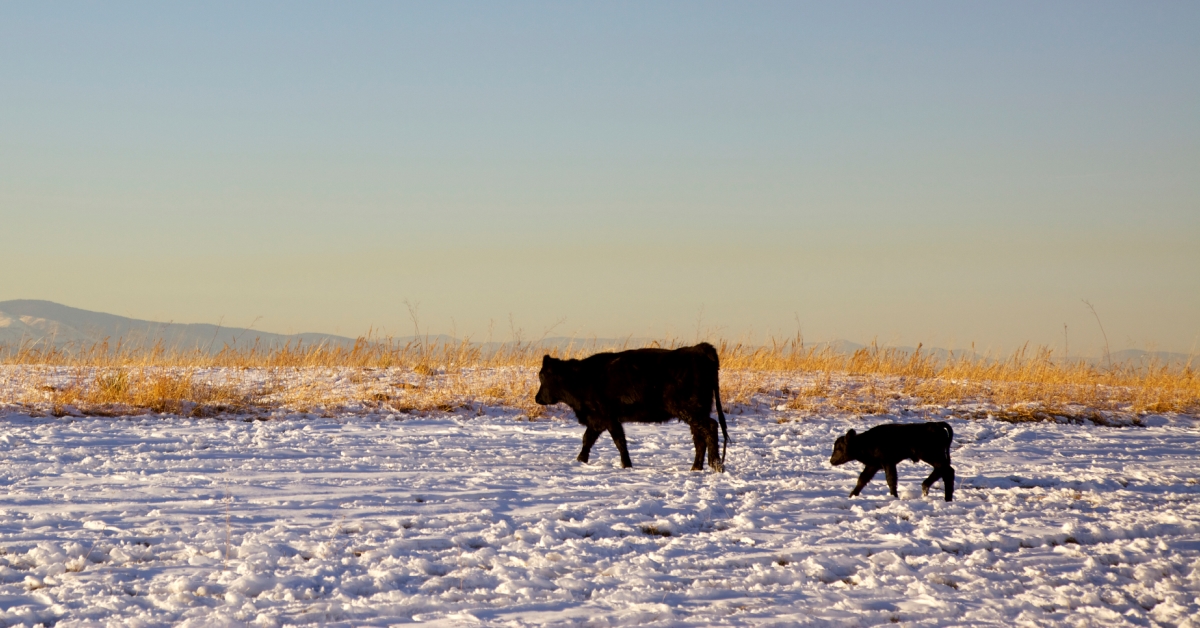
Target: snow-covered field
x=483, y=517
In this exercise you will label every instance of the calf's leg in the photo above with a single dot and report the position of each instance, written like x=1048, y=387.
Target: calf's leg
x=889, y=472
x=933, y=477
x=589, y=438
x=618, y=436
x=948, y=480
x=864, y=477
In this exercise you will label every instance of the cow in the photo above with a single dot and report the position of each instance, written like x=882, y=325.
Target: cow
x=882, y=446
x=640, y=386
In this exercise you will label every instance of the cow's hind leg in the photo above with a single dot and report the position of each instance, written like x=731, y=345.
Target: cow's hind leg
x=618, y=436
x=889, y=472
x=712, y=440
x=864, y=477
x=589, y=438
x=948, y=480
x=698, y=439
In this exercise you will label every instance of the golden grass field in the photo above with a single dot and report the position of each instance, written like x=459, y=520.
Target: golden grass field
x=117, y=379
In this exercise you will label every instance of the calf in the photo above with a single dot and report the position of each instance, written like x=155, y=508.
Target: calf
x=640, y=386
x=882, y=446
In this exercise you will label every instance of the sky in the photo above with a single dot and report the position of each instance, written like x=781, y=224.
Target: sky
x=944, y=173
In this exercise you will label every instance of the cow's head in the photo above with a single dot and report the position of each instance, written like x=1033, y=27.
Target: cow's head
x=552, y=378
x=841, y=449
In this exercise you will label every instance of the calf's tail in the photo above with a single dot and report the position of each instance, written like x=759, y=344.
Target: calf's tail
x=721, y=420
x=950, y=436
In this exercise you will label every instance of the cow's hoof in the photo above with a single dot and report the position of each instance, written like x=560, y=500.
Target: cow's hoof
x=697, y=467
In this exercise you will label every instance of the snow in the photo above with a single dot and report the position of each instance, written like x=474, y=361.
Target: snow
x=483, y=517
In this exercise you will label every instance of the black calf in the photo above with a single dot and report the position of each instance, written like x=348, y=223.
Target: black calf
x=882, y=446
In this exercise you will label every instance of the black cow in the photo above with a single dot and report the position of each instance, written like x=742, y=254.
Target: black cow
x=882, y=446
x=640, y=386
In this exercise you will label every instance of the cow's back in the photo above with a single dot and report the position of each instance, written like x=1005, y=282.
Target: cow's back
x=654, y=385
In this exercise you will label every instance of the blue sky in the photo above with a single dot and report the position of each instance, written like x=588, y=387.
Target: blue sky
x=930, y=172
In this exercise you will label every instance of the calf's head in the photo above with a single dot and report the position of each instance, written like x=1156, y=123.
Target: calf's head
x=841, y=449
x=552, y=388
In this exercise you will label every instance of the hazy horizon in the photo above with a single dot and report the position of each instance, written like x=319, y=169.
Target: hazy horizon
x=40, y=326
x=931, y=173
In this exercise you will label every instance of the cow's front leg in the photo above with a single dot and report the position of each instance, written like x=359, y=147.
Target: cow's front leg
x=889, y=472
x=589, y=438
x=864, y=477
x=618, y=436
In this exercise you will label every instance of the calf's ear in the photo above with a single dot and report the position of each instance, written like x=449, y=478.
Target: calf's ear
x=546, y=360
x=850, y=434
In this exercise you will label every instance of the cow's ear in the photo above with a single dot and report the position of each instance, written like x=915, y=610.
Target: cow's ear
x=546, y=359
x=850, y=434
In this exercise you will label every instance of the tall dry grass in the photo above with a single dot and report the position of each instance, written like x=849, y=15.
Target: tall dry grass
x=420, y=376
x=115, y=377
x=1025, y=385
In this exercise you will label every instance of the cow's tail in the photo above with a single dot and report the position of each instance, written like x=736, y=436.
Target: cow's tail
x=721, y=420
x=949, y=435
x=711, y=353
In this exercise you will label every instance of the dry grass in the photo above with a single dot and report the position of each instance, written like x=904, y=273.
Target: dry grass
x=1023, y=385
x=112, y=391
x=418, y=376
x=113, y=378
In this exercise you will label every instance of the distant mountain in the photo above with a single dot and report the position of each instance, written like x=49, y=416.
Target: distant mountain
x=1137, y=356
x=28, y=321
x=23, y=321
